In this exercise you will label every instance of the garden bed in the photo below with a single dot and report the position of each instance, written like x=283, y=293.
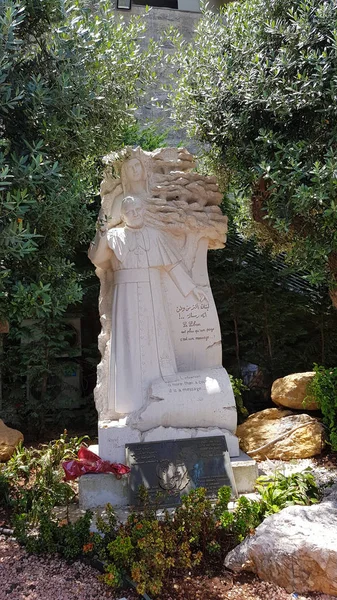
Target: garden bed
x=31, y=577
x=179, y=559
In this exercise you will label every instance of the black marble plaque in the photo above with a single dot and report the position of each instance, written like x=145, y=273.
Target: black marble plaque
x=175, y=467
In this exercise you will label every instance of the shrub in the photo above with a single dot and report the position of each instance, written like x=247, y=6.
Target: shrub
x=35, y=477
x=323, y=389
x=257, y=84
x=52, y=536
x=238, y=387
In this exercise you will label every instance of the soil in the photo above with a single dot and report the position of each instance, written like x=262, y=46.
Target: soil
x=25, y=576
x=243, y=586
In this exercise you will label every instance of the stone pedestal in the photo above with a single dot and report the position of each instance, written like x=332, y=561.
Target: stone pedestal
x=100, y=489
x=113, y=435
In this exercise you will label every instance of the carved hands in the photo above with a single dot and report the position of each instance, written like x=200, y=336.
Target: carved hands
x=200, y=295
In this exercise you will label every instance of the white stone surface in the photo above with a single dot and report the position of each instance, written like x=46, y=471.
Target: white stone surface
x=99, y=489
x=201, y=398
x=245, y=471
x=112, y=437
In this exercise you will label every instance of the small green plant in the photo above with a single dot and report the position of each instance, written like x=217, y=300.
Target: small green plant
x=323, y=388
x=243, y=520
x=5, y=492
x=238, y=387
x=52, y=536
x=35, y=477
x=279, y=491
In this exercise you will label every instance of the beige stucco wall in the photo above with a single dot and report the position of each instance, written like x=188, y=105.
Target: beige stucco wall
x=160, y=19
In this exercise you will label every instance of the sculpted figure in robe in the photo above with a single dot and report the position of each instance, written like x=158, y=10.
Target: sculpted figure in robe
x=141, y=349
x=151, y=230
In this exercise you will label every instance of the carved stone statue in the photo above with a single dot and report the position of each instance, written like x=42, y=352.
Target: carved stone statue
x=161, y=373
x=141, y=345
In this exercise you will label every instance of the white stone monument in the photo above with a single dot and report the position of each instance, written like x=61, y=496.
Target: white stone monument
x=161, y=374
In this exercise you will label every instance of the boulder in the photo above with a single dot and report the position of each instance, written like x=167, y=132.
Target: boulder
x=291, y=391
x=295, y=549
x=9, y=439
x=281, y=435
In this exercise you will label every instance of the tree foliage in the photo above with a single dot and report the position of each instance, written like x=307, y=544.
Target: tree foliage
x=259, y=85
x=71, y=74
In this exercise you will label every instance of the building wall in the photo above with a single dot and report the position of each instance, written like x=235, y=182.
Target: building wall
x=160, y=19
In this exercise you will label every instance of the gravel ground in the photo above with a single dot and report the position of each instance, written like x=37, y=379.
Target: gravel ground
x=29, y=577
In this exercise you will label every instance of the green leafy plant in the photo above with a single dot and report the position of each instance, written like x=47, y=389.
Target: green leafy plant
x=238, y=387
x=32, y=485
x=35, y=477
x=5, y=492
x=323, y=388
x=243, y=520
x=68, y=97
x=52, y=536
x=279, y=491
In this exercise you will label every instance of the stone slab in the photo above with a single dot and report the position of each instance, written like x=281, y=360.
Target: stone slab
x=99, y=489
x=174, y=467
x=202, y=398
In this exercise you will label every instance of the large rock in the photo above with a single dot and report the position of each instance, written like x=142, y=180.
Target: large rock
x=295, y=548
x=9, y=439
x=279, y=434
x=292, y=391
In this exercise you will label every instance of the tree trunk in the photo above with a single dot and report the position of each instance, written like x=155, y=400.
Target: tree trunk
x=333, y=296
x=332, y=262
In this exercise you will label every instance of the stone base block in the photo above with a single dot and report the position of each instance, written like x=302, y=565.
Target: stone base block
x=100, y=489
x=113, y=435
x=245, y=471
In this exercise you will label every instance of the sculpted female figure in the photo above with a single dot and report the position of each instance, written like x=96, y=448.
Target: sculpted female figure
x=141, y=348
x=132, y=182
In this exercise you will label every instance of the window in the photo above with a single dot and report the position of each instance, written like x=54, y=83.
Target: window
x=157, y=3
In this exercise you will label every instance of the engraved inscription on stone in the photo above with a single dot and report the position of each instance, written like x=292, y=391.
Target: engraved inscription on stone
x=174, y=467
x=192, y=322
